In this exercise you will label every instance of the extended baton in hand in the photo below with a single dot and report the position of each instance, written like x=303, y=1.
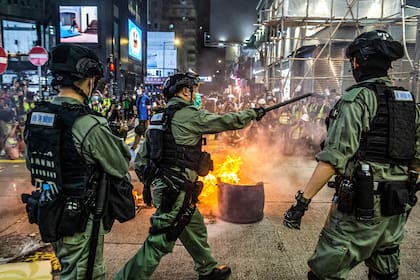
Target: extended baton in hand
x=291, y=100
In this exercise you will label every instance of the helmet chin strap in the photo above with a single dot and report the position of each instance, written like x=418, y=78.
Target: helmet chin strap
x=191, y=94
x=81, y=93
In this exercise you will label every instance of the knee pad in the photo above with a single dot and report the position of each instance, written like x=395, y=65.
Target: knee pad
x=312, y=276
x=373, y=275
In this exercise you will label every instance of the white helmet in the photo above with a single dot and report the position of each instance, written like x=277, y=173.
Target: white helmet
x=261, y=101
x=305, y=117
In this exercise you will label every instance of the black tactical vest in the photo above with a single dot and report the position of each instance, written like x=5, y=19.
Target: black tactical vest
x=51, y=150
x=163, y=150
x=391, y=138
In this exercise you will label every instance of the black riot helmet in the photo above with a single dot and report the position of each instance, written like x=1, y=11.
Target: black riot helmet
x=69, y=63
x=375, y=42
x=374, y=51
x=178, y=81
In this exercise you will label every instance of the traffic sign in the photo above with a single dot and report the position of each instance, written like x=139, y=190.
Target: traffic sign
x=3, y=61
x=38, y=56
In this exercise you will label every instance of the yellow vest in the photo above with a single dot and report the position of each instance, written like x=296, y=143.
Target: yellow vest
x=284, y=118
x=106, y=102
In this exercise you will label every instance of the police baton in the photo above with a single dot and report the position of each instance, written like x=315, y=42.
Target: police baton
x=291, y=100
x=101, y=192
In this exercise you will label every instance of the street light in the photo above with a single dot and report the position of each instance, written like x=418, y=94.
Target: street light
x=175, y=43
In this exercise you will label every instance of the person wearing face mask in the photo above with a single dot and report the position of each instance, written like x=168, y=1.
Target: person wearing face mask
x=197, y=102
x=168, y=164
x=67, y=144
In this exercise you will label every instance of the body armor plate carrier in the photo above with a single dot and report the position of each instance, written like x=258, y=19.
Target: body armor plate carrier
x=164, y=152
x=53, y=156
x=391, y=137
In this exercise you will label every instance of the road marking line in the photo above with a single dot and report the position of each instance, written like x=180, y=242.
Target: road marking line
x=12, y=160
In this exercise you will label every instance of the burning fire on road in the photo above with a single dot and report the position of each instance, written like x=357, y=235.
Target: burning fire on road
x=225, y=195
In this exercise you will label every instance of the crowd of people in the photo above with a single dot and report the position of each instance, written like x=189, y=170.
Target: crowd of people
x=371, y=150
x=296, y=129
x=15, y=102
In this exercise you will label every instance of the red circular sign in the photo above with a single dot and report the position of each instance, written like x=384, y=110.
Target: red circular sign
x=38, y=56
x=3, y=61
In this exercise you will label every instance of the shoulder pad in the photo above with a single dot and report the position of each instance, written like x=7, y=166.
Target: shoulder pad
x=352, y=94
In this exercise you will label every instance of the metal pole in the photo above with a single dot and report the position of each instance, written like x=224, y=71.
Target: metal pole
x=414, y=86
x=39, y=83
x=164, y=47
x=278, y=105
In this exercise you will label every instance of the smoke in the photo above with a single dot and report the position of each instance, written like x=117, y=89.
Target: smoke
x=267, y=157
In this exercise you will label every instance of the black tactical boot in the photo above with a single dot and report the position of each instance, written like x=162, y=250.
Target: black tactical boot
x=219, y=273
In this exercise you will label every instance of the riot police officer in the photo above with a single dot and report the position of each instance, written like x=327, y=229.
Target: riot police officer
x=67, y=143
x=169, y=161
x=371, y=145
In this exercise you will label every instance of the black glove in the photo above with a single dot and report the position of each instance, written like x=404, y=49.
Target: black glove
x=293, y=216
x=260, y=112
x=147, y=195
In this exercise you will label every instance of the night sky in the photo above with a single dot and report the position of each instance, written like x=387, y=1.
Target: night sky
x=232, y=20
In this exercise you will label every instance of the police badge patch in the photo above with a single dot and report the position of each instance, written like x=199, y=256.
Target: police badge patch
x=44, y=119
x=402, y=95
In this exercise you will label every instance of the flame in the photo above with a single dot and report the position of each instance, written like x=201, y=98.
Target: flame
x=138, y=198
x=227, y=171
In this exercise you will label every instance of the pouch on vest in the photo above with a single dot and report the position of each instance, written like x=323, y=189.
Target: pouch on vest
x=205, y=164
x=169, y=194
x=49, y=217
x=394, y=198
x=345, y=195
x=364, y=194
x=31, y=201
x=75, y=216
x=121, y=202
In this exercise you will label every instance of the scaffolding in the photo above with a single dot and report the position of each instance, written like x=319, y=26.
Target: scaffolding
x=301, y=43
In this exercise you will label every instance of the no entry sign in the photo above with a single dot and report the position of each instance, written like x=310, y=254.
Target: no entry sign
x=3, y=61
x=38, y=56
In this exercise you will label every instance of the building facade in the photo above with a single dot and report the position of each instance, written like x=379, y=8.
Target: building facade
x=180, y=17
x=301, y=43
x=115, y=30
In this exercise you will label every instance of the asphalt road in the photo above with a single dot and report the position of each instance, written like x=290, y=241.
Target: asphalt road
x=262, y=250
